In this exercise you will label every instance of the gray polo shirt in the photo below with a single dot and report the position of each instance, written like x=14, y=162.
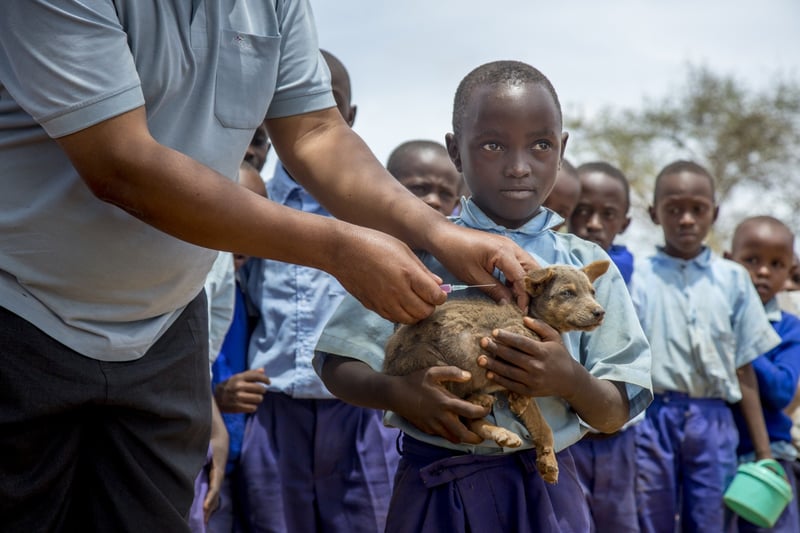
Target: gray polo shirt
x=85, y=272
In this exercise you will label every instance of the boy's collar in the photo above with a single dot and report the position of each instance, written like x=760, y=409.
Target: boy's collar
x=282, y=185
x=702, y=259
x=773, y=310
x=472, y=215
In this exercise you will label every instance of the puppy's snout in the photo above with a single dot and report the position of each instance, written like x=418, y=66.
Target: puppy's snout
x=598, y=313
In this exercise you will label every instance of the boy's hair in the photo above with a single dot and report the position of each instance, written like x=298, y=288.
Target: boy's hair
x=771, y=221
x=337, y=68
x=497, y=73
x=569, y=168
x=610, y=170
x=398, y=159
x=679, y=166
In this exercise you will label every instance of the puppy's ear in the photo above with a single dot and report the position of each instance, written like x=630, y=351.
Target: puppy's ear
x=596, y=269
x=536, y=280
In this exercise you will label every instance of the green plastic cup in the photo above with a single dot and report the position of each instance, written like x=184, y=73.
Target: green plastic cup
x=759, y=492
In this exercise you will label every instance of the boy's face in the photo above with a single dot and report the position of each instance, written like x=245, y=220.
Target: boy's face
x=602, y=210
x=563, y=196
x=433, y=178
x=256, y=153
x=509, y=149
x=685, y=209
x=766, y=254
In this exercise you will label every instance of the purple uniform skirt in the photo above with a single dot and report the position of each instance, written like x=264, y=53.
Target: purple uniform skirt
x=317, y=465
x=438, y=490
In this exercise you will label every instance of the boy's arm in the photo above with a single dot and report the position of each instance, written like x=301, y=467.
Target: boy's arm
x=420, y=397
x=545, y=368
x=752, y=412
x=219, y=458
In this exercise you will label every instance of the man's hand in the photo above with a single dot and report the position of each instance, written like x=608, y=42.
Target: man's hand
x=472, y=256
x=242, y=392
x=386, y=276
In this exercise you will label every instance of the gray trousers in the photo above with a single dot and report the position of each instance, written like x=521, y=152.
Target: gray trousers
x=87, y=445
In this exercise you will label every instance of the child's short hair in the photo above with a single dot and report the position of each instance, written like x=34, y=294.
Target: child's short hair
x=497, y=73
x=610, y=170
x=679, y=166
x=771, y=221
x=399, y=156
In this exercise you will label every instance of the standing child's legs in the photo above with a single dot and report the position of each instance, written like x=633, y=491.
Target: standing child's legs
x=315, y=465
x=437, y=490
x=606, y=466
x=686, y=453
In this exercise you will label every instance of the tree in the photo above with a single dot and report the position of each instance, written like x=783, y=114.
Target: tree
x=749, y=140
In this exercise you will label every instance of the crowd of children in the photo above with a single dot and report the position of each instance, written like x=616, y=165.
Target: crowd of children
x=694, y=370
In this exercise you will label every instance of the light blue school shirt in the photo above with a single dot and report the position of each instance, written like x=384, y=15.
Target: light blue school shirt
x=616, y=351
x=294, y=303
x=704, y=319
x=84, y=271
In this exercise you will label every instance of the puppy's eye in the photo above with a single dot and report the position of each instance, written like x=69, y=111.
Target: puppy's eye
x=567, y=293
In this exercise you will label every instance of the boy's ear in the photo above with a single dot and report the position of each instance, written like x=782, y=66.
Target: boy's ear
x=352, y=118
x=653, y=215
x=452, y=150
x=535, y=280
x=716, y=213
x=625, y=224
x=595, y=269
x=564, y=139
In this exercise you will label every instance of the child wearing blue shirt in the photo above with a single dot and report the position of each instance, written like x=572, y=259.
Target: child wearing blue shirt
x=309, y=462
x=706, y=325
x=606, y=463
x=765, y=246
x=508, y=142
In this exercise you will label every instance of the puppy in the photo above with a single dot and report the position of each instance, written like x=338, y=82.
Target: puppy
x=561, y=295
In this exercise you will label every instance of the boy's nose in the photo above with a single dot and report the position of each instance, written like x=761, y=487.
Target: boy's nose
x=517, y=166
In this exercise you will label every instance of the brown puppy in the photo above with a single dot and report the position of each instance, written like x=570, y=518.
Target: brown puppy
x=561, y=295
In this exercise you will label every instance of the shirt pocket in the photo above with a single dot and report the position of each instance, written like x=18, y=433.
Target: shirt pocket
x=246, y=77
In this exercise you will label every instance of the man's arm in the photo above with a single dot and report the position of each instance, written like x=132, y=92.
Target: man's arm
x=335, y=165
x=123, y=165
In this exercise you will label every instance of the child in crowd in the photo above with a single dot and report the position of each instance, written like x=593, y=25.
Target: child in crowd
x=566, y=191
x=309, y=461
x=507, y=141
x=425, y=169
x=228, y=370
x=789, y=297
x=706, y=325
x=765, y=247
x=606, y=463
x=602, y=211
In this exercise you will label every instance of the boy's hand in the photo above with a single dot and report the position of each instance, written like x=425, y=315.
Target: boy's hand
x=527, y=366
x=423, y=401
x=242, y=392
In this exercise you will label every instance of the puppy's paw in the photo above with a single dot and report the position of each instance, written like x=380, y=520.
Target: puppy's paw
x=506, y=438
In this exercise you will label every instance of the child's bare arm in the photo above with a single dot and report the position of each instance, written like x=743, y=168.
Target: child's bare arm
x=420, y=397
x=545, y=368
x=752, y=412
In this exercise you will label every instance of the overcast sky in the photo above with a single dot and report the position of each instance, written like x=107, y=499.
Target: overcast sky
x=405, y=58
